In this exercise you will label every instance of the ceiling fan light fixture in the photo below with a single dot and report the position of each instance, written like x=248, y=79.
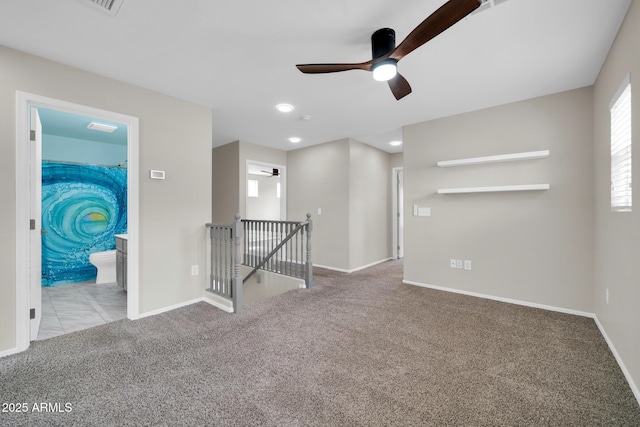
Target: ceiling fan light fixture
x=385, y=70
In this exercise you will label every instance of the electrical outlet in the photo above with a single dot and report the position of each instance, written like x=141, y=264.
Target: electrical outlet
x=467, y=264
x=452, y=263
x=459, y=263
x=194, y=270
x=606, y=295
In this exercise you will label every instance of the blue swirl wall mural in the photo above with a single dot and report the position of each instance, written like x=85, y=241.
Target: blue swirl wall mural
x=83, y=207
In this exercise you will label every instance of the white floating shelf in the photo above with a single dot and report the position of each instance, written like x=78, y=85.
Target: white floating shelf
x=495, y=159
x=529, y=187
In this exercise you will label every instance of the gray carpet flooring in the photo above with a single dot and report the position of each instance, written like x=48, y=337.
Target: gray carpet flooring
x=356, y=350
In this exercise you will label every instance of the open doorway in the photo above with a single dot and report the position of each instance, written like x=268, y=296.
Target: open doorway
x=84, y=207
x=266, y=191
x=398, y=212
x=29, y=208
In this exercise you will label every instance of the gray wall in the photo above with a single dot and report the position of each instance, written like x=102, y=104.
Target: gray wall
x=618, y=234
x=396, y=160
x=318, y=177
x=529, y=246
x=369, y=195
x=230, y=176
x=175, y=136
x=350, y=182
x=226, y=182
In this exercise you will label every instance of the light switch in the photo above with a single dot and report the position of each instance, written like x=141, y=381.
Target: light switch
x=319, y=211
x=424, y=211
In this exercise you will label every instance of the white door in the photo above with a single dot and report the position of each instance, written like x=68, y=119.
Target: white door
x=397, y=198
x=35, y=215
x=400, y=202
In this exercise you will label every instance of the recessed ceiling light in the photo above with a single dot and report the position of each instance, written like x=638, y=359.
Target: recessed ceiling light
x=395, y=143
x=102, y=127
x=295, y=139
x=284, y=108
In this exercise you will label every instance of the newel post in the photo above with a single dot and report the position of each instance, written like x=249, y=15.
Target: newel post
x=236, y=285
x=308, y=279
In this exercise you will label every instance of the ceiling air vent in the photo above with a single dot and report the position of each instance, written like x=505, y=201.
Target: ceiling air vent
x=107, y=6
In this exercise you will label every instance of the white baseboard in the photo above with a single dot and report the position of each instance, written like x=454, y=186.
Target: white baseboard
x=9, y=352
x=501, y=299
x=169, y=308
x=625, y=371
x=218, y=302
x=342, y=270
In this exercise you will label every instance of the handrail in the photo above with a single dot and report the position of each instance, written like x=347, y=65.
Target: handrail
x=277, y=248
x=226, y=242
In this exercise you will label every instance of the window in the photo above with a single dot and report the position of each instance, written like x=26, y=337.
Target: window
x=252, y=188
x=621, y=149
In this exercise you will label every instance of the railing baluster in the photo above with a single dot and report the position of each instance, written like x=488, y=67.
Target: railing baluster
x=276, y=246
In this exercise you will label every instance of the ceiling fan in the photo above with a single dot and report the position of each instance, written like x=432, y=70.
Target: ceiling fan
x=273, y=172
x=386, y=54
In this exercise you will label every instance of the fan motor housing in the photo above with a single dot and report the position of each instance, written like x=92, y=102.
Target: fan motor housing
x=383, y=41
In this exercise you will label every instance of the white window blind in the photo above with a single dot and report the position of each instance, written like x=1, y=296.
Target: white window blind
x=621, y=199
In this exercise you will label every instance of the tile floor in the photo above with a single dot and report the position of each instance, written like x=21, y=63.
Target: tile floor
x=68, y=308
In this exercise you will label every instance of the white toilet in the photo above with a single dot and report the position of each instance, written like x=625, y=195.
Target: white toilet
x=105, y=262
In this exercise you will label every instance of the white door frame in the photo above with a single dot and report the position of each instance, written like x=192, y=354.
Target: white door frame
x=398, y=241
x=24, y=102
x=35, y=236
x=283, y=186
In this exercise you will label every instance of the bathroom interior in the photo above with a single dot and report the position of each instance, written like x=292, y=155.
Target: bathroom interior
x=84, y=218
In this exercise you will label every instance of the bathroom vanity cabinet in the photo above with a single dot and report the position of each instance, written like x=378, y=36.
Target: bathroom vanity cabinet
x=121, y=261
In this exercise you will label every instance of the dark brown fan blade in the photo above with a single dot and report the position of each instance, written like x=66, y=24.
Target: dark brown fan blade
x=399, y=86
x=333, y=68
x=443, y=18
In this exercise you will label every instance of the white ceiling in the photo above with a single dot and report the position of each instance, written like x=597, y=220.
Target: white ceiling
x=238, y=57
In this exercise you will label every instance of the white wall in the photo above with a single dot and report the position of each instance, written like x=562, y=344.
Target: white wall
x=175, y=136
x=618, y=234
x=529, y=246
x=267, y=205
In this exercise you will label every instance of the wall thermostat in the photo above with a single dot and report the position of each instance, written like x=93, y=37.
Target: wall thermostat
x=157, y=174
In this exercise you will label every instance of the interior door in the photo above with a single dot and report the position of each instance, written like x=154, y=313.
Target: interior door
x=400, y=201
x=35, y=214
